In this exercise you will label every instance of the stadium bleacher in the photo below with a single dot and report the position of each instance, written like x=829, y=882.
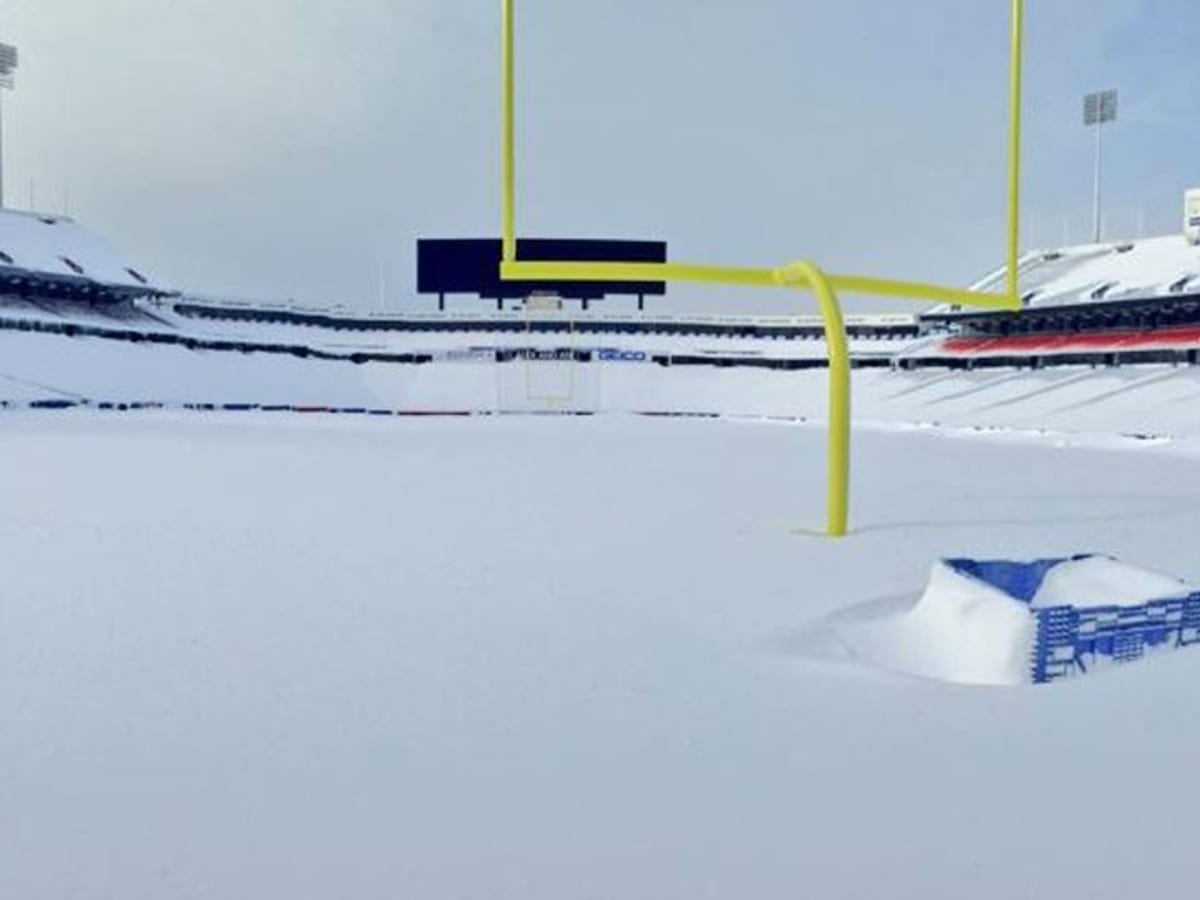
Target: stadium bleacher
x=54, y=259
x=1130, y=302
x=1180, y=338
x=1123, y=303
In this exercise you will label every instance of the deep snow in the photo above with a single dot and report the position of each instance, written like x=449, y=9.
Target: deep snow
x=554, y=658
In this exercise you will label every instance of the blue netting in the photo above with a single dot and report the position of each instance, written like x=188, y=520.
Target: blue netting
x=1070, y=639
x=1019, y=580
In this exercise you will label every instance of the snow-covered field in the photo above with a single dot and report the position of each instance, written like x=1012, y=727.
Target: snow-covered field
x=260, y=656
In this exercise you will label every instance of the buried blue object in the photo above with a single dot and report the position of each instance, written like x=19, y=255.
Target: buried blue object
x=1072, y=639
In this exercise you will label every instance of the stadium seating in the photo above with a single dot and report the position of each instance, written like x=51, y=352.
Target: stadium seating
x=1032, y=345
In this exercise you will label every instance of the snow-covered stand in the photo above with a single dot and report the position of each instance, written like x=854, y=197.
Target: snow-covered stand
x=1092, y=611
x=53, y=257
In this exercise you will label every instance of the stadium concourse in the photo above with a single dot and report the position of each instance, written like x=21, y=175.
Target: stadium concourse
x=1108, y=343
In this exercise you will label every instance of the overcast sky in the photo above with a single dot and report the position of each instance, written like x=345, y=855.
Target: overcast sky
x=296, y=148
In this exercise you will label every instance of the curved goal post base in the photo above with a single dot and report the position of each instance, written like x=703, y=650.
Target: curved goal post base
x=805, y=274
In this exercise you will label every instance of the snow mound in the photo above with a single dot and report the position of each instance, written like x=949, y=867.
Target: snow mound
x=1008, y=623
x=1096, y=581
x=961, y=630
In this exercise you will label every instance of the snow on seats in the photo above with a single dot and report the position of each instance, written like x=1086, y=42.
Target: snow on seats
x=57, y=256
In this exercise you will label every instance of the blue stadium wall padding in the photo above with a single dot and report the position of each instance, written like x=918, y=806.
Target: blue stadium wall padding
x=1072, y=640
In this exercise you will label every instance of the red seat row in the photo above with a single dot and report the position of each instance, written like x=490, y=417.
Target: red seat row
x=1181, y=338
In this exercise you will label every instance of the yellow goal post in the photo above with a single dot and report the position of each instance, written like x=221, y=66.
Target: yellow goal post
x=800, y=275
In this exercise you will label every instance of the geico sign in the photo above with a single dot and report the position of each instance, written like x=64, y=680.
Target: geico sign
x=621, y=356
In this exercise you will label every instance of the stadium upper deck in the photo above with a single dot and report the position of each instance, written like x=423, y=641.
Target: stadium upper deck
x=1160, y=268
x=53, y=258
x=1123, y=302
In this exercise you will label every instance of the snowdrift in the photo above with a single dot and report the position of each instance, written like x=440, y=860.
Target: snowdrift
x=1000, y=622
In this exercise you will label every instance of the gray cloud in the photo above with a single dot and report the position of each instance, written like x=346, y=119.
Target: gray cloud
x=296, y=148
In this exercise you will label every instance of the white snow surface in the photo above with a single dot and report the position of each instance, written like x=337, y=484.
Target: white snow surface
x=961, y=631
x=1102, y=581
x=528, y=657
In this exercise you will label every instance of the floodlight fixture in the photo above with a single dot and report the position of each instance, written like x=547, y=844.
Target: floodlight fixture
x=8, y=68
x=1099, y=109
x=8, y=65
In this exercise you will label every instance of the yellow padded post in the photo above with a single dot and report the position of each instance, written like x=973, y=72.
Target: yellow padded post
x=1016, y=71
x=807, y=274
x=509, y=113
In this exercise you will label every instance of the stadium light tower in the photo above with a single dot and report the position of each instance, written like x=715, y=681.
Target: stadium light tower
x=8, y=68
x=1098, y=110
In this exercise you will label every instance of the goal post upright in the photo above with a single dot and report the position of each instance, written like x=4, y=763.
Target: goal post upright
x=1016, y=117
x=509, y=114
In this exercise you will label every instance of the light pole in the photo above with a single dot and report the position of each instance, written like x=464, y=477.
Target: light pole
x=1098, y=110
x=8, y=66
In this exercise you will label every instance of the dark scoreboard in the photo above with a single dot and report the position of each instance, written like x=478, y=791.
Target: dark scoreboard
x=472, y=266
